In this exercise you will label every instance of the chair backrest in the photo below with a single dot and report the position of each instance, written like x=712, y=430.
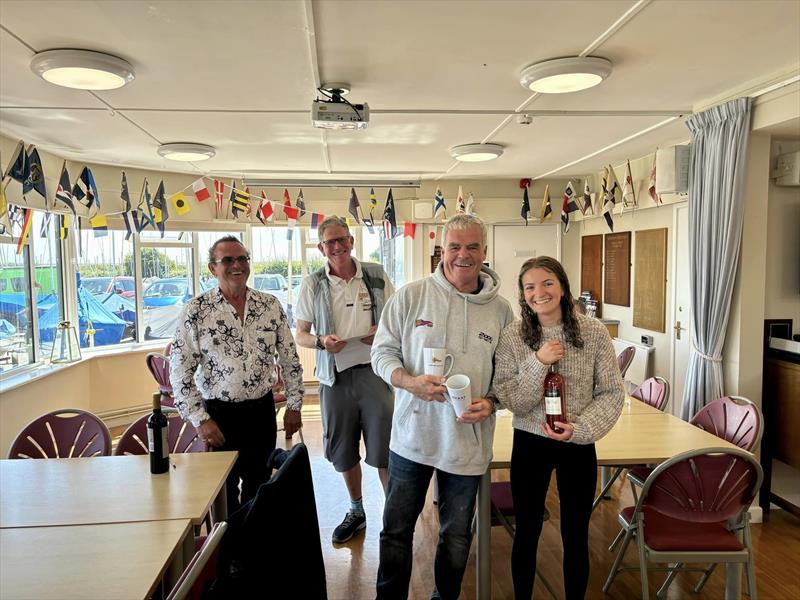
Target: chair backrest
x=735, y=419
x=159, y=367
x=181, y=435
x=625, y=359
x=653, y=391
x=200, y=562
x=66, y=433
x=710, y=485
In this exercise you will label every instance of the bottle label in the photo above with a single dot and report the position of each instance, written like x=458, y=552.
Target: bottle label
x=552, y=405
x=164, y=442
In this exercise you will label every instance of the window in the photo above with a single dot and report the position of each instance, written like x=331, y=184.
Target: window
x=48, y=282
x=168, y=284
x=393, y=258
x=16, y=339
x=106, y=294
x=205, y=239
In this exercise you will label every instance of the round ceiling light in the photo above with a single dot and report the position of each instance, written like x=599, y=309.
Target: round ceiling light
x=186, y=151
x=82, y=69
x=564, y=75
x=476, y=152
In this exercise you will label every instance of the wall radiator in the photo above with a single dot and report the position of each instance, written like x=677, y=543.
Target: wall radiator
x=642, y=366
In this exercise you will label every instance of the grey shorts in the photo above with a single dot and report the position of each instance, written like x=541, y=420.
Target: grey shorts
x=359, y=402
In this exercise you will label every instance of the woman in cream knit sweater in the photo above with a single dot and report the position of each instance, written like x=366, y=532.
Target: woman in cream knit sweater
x=549, y=332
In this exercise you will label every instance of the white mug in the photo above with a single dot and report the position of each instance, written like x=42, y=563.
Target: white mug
x=459, y=391
x=436, y=361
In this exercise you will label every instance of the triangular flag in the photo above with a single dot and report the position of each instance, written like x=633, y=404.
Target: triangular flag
x=18, y=168
x=290, y=211
x=609, y=187
x=389, y=217
x=26, y=215
x=5, y=222
x=45, y=228
x=145, y=208
x=265, y=209
x=460, y=206
x=547, y=209
x=410, y=230
x=160, y=208
x=219, y=196
x=439, y=204
x=99, y=224
x=373, y=203
x=628, y=193
x=526, y=203
x=85, y=190
x=180, y=203
x=128, y=213
x=354, y=205
x=35, y=180
x=301, y=204
x=587, y=198
x=240, y=201
x=471, y=204
x=249, y=210
x=568, y=205
x=651, y=187
x=200, y=190
x=370, y=224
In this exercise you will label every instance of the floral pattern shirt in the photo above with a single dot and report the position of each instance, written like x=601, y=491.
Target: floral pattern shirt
x=217, y=357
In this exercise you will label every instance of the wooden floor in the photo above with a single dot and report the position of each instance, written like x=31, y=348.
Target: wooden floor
x=351, y=568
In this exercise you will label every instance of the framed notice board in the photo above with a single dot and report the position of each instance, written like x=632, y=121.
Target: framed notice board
x=592, y=268
x=618, y=268
x=436, y=258
x=650, y=285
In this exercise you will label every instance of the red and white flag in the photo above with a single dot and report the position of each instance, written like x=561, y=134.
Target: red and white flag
x=432, y=241
x=628, y=193
x=410, y=230
x=219, y=195
x=460, y=205
x=651, y=188
x=265, y=210
x=200, y=190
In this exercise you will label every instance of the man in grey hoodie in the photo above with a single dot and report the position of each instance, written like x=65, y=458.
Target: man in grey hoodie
x=458, y=308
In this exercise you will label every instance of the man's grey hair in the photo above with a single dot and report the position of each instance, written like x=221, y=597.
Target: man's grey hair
x=332, y=221
x=465, y=221
x=227, y=238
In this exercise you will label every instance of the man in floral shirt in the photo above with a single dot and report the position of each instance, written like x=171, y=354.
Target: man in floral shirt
x=222, y=368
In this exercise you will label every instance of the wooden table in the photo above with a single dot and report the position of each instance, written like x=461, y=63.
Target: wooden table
x=113, y=561
x=112, y=489
x=640, y=436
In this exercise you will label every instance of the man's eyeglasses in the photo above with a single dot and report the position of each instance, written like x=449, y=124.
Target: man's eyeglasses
x=329, y=244
x=229, y=260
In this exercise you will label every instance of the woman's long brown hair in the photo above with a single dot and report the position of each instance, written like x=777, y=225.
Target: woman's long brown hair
x=531, y=328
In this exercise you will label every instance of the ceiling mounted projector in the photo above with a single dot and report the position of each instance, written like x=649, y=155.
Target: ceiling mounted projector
x=334, y=112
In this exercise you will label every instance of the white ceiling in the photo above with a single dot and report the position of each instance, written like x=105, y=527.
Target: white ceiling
x=241, y=75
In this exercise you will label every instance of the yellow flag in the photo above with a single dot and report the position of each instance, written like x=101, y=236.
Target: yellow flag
x=180, y=203
x=99, y=221
x=156, y=214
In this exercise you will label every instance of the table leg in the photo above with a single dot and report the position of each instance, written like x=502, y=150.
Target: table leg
x=180, y=559
x=605, y=474
x=484, y=540
x=220, y=506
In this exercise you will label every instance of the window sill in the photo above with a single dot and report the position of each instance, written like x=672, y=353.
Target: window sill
x=26, y=375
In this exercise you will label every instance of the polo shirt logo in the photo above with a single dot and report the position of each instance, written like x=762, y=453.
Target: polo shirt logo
x=485, y=338
x=423, y=323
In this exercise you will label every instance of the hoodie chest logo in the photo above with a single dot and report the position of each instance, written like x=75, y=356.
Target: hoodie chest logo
x=423, y=323
x=485, y=337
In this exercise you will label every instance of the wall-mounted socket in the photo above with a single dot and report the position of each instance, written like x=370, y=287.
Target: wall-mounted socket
x=647, y=340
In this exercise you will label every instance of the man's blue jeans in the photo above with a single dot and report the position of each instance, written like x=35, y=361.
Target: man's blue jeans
x=408, y=485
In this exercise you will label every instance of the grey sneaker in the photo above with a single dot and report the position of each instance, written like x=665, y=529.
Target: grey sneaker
x=348, y=528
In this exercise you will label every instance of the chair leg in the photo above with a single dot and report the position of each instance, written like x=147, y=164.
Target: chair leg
x=633, y=491
x=704, y=579
x=607, y=487
x=615, y=567
x=546, y=585
x=751, y=566
x=662, y=591
x=617, y=539
x=643, y=567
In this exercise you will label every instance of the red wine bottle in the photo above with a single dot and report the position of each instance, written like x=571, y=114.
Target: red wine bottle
x=157, y=438
x=555, y=401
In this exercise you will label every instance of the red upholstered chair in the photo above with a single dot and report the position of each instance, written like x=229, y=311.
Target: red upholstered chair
x=159, y=367
x=503, y=514
x=693, y=508
x=625, y=359
x=66, y=433
x=182, y=437
x=653, y=391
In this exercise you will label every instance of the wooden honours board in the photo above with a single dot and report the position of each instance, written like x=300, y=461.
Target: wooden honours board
x=592, y=268
x=650, y=285
x=618, y=268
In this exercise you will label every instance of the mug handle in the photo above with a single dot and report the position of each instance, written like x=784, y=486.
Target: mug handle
x=450, y=368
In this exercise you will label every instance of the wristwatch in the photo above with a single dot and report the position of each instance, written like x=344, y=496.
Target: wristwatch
x=319, y=344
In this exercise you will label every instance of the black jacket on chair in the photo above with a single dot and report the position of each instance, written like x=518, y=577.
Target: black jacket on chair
x=272, y=546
